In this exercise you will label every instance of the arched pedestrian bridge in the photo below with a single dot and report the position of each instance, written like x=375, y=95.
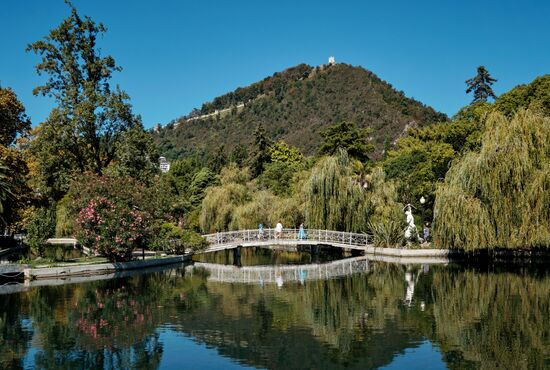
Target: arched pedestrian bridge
x=290, y=237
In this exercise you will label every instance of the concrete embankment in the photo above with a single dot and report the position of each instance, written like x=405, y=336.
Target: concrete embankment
x=103, y=268
x=16, y=287
x=403, y=252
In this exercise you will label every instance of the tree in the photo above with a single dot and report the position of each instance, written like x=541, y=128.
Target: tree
x=480, y=85
x=499, y=196
x=201, y=181
x=345, y=135
x=239, y=155
x=261, y=154
x=418, y=165
x=136, y=155
x=13, y=120
x=218, y=160
x=17, y=196
x=90, y=116
x=282, y=152
x=277, y=177
x=285, y=162
x=335, y=201
x=534, y=96
x=5, y=187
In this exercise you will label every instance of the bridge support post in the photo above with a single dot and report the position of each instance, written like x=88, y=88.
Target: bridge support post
x=237, y=256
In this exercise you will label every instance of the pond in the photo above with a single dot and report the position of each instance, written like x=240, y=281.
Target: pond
x=336, y=313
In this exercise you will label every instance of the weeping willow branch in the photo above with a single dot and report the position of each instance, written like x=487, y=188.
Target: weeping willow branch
x=499, y=197
x=336, y=201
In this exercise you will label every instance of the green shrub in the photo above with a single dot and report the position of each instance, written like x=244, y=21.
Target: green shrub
x=175, y=240
x=387, y=233
x=59, y=253
x=40, y=228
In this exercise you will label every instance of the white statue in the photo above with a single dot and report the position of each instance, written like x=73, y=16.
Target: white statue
x=411, y=227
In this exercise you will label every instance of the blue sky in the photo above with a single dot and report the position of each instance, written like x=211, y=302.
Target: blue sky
x=178, y=54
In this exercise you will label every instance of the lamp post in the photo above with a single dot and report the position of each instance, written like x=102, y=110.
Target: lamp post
x=422, y=202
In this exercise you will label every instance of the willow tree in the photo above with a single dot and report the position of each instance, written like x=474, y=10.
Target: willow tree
x=499, y=196
x=221, y=201
x=336, y=200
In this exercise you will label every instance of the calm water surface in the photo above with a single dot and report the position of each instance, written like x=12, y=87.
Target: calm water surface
x=337, y=314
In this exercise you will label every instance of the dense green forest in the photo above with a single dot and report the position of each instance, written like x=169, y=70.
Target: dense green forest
x=295, y=106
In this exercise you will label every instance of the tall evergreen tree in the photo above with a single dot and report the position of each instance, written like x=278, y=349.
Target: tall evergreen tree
x=480, y=85
x=261, y=154
x=218, y=160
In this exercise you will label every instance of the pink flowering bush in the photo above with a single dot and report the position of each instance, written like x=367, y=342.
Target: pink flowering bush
x=111, y=229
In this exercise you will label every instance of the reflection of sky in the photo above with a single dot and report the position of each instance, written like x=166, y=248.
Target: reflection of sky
x=425, y=356
x=181, y=352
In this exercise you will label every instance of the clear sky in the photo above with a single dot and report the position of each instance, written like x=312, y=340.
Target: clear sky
x=178, y=54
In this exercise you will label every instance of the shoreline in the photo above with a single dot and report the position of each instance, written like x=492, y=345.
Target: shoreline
x=100, y=268
x=404, y=255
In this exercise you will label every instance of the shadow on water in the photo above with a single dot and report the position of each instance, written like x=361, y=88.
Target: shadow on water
x=365, y=318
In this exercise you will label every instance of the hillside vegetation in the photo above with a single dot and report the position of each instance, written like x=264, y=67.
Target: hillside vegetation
x=295, y=105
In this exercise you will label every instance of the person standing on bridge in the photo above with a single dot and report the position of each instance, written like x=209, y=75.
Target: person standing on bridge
x=260, y=231
x=279, y=230
x=301, y=232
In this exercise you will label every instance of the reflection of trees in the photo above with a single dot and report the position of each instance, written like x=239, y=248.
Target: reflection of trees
x=495, y=320
x=103, y=324
x=359, y=321
x=355, y=321
x=14, y=337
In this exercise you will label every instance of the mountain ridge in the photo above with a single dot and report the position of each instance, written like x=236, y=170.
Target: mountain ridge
x=295, y=105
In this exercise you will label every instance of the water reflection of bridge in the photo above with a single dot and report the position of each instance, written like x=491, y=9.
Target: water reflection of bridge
x=279, y=274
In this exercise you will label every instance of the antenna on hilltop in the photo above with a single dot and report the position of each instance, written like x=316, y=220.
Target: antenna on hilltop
x=331, y=61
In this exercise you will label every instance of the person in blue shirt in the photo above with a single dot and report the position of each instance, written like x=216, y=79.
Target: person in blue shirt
x=301, y=232
x=260, y=231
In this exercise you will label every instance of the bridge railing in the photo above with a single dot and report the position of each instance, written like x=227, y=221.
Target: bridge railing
x=317, y=235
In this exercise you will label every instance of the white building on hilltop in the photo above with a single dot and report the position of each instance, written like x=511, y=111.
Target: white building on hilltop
x=164, y=165
x=331, y=61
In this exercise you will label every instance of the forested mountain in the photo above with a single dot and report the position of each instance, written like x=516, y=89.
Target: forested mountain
x=295, y=105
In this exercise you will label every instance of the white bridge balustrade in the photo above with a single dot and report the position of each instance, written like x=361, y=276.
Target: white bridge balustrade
x=284, y=273
x=301, y=273
x=253, y=237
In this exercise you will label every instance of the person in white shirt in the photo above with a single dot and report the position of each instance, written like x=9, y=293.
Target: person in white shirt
x=278, y=230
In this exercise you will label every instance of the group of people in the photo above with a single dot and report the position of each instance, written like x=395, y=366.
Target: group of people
x=302, y=233
x=279, y=231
